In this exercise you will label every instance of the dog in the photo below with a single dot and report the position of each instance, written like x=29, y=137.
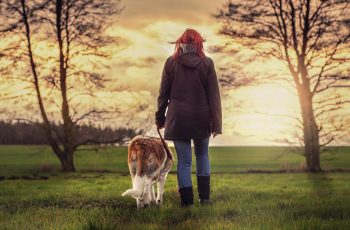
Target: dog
x=148, y=164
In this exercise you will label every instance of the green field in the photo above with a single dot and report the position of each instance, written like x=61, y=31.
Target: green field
x=18, y=160
x=90, y=198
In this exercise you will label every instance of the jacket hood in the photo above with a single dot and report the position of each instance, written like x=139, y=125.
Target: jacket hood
x=189, y=56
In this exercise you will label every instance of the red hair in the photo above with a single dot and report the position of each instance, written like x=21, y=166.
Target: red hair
x=190, y=36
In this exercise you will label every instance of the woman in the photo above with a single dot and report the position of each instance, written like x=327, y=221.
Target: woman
x=189, y=89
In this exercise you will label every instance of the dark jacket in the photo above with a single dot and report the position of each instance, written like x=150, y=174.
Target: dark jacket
x=189, y=88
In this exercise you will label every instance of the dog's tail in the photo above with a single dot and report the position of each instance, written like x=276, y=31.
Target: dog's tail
x=138, y=187
x=132, y=192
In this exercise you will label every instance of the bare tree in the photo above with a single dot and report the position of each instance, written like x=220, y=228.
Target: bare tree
x=74, y=29
x=312, y=38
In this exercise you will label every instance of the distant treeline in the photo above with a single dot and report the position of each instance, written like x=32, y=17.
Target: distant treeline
x=28, y=134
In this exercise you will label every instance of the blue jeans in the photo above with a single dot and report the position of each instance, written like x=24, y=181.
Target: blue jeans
x=184, y=158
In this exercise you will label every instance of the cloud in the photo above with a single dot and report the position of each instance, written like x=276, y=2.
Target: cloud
x=138, y=14
x=138, y=64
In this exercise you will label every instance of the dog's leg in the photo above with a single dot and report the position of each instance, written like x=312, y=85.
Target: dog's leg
x=132, y=178
x=160, y=189
x=153, y=197
x=161, y=182
x=146, y=197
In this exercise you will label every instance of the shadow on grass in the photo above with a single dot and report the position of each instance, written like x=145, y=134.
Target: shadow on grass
x=321, y=183
x=77, y=203
x=324, y=202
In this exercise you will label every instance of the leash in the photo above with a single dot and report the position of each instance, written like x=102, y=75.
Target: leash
x=168, y=153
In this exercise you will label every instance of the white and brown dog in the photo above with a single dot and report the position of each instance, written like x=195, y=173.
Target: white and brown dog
x=148, y=164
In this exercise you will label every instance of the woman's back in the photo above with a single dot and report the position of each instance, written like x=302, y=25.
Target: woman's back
x=189, y=77
x=189, y=88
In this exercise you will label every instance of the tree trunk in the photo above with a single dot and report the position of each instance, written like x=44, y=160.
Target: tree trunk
x=311, y=132
x=67, y=162
x=65, y=158
x=68, y=125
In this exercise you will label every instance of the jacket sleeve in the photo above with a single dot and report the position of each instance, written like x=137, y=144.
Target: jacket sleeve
x=164, y=94
x=214, y=100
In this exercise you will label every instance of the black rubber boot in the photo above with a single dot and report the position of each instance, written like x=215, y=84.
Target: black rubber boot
x=186, y=195
x=203, y=183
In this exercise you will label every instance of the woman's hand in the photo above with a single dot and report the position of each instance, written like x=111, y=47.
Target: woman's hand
x=214, y=134
x=160, y=126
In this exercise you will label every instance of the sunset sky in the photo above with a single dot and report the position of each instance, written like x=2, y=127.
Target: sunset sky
x=256, y=115
x=146, y=27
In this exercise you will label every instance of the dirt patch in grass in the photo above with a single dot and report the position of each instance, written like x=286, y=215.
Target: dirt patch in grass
x=25, y=177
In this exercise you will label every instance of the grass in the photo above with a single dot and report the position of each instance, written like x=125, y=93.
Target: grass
x=242, y=201
x=91, y=200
